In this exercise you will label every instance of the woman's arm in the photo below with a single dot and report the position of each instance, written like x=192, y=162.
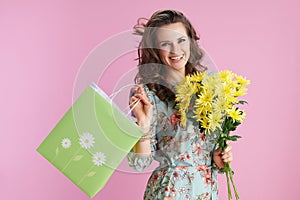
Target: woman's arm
x=143, y=146
x=141, y=154
x=143, y=111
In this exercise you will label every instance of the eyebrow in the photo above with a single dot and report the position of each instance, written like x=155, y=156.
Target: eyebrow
x=170, y=41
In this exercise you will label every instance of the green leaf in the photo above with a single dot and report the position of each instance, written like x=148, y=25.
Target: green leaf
x=222, y=142
x=230, y=125
x=236, y=123
x=242, y=102
x=234, y=137
x=237, y=136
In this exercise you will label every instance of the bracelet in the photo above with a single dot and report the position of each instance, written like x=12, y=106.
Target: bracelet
x=144, y=129
x=145, y=137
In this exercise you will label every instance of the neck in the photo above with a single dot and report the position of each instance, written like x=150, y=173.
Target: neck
x=175, y=76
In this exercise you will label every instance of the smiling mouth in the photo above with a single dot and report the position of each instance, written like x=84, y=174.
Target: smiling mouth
x=176, y=57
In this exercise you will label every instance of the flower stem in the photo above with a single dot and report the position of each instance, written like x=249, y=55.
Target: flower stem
x=232, y=182
x=228, y=185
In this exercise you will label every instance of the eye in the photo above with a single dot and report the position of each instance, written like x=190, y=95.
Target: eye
x=165, y=44
x=181, y=40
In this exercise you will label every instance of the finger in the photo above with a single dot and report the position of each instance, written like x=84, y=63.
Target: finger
x=228, y=149
x=218, y=151
x=140, y=89
x=132, y=100
x=226, y=156
x=143, y=98
x=134, y=104
x=227, y=160
x=142, y=92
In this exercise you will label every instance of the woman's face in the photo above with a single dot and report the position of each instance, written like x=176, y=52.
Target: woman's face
x=174, y=46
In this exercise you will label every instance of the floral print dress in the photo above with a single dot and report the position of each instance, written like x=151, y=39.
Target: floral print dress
x=184, y=155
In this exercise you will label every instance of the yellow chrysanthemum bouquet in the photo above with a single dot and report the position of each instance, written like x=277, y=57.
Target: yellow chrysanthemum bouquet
x=212, y=98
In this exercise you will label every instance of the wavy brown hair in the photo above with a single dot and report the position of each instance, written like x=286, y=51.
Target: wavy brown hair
x=151, y=71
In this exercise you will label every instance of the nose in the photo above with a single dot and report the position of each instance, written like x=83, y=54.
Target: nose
x=175, y=48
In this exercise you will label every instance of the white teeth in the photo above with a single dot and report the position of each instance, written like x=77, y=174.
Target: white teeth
x=176, y=58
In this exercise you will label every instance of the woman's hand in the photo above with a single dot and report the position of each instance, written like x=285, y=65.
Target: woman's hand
x=143, y=109
x=220, y=157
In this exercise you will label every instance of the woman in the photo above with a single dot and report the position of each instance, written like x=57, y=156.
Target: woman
x=188, y=160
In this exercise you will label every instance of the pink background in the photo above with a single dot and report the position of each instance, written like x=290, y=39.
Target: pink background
x=43, y=44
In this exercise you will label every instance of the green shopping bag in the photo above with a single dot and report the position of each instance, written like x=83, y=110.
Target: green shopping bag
x=90, y=141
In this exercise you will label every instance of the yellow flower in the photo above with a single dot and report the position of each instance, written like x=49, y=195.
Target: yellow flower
x=185, y=90
x=184, y=93
x=215, y=120
x=198, y=113
x=215, y=96
x=211, y=82
x=205, y=98
x=241, y=81
x=220, y=104
x=236, y=114
x=197, y=77
x=227, y=88
x=240, y=92
x=201, y=108
x=231, y=99
x=226, y=75
x=208, y=88
x=183, y=119
x=205, y=123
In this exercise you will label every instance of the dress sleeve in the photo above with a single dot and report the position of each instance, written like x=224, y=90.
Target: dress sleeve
x=139, y=162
